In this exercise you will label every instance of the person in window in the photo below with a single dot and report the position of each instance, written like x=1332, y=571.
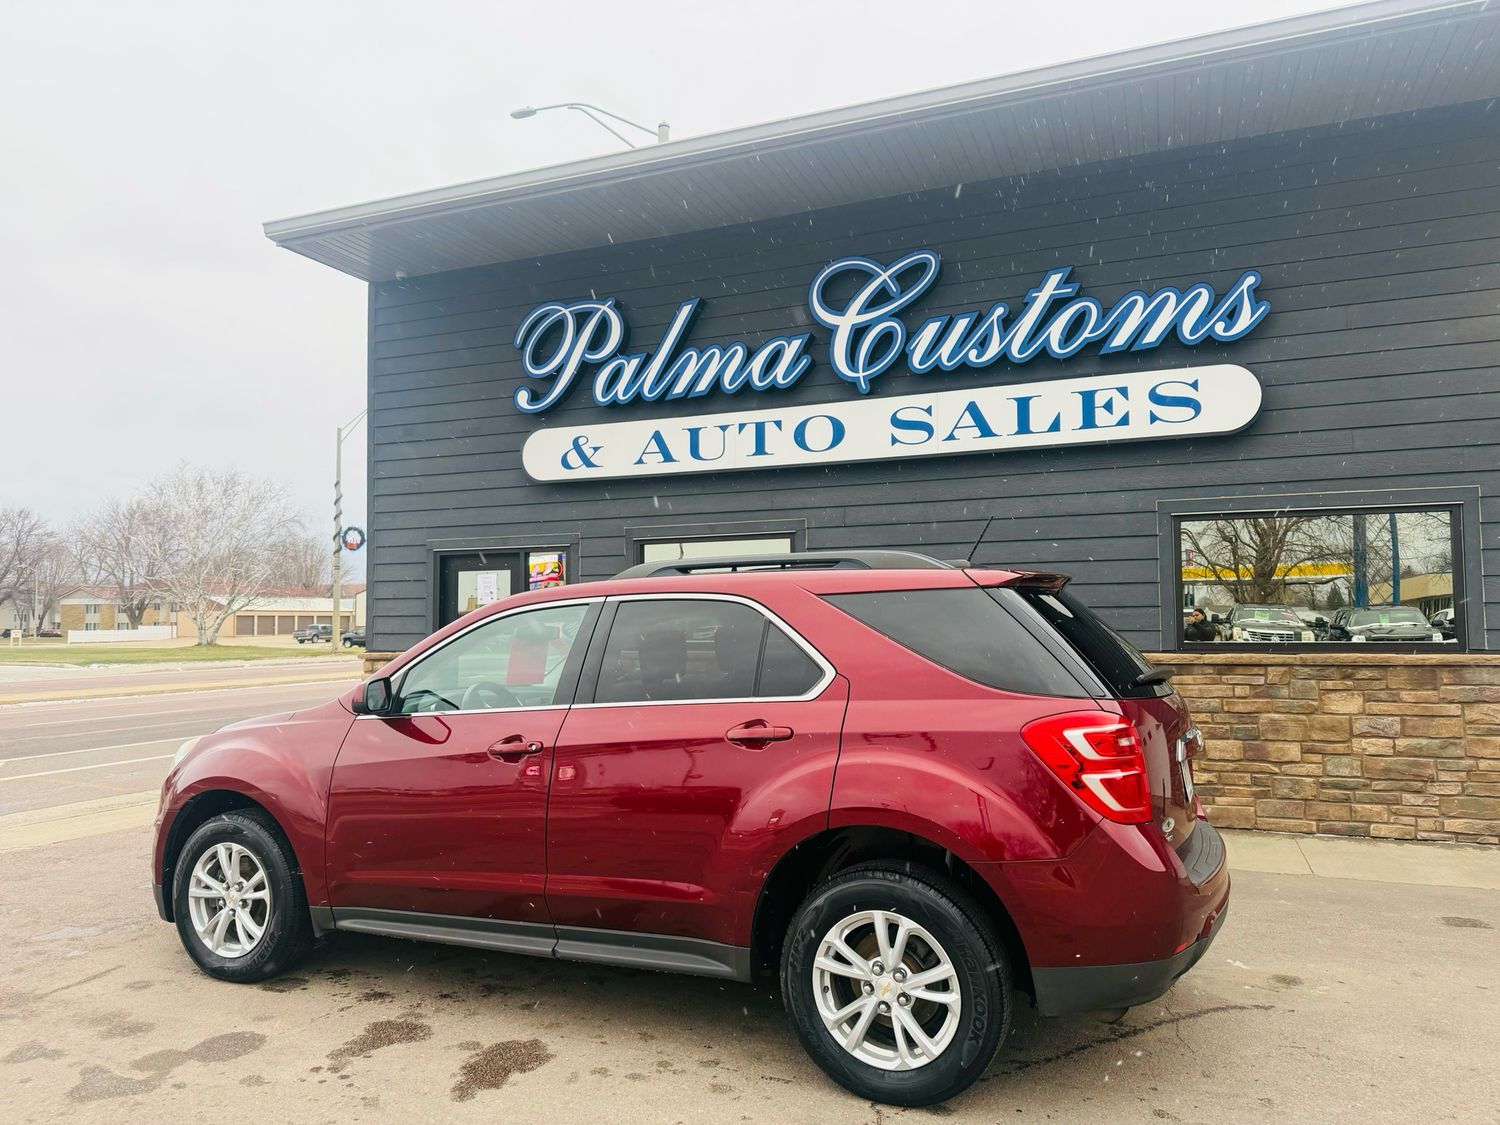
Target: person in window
x=1198, y=627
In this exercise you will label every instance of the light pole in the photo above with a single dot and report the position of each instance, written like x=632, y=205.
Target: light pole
x=338, y=520
x=661, y=132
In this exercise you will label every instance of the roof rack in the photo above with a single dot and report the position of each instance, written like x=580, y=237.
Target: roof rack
x=797, y=560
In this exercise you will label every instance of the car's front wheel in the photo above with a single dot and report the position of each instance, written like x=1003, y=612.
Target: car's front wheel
x=896, y=984
x=238, y=900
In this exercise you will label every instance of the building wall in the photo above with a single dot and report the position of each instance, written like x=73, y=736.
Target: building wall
x=1387, y=745
x=1379, y=243
x=75, y=616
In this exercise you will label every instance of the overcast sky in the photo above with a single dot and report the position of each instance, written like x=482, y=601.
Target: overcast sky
x=146, y=319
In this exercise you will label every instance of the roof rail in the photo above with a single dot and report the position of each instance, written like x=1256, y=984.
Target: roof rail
x=797, y=560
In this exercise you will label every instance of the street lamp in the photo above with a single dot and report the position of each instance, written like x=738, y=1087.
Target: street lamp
x=660, y=133
x=338, y=520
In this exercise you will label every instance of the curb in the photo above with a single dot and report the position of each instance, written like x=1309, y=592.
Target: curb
x=37, y=828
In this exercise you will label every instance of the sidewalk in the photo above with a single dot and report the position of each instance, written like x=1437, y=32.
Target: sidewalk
x=1376, y=861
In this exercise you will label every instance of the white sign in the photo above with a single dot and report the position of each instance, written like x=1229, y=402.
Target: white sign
x=1138, y=406
x=486, y=587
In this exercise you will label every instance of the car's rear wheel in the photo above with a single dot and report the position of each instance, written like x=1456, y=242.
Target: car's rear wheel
x=896, y=984
x=239, y=903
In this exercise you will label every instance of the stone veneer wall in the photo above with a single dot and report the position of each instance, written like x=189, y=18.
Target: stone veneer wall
x=1391, y=745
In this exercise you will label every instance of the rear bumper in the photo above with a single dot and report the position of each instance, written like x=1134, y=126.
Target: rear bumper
x=1088, y=988
x=1121, y=918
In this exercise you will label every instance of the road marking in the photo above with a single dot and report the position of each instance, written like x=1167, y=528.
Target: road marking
x=96, y=766
x=143, y=712
x=98, y=694
x=99, y=749
x=91, y=733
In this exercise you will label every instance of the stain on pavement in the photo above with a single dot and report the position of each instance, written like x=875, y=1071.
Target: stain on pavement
x=490, y=1068
x=381, y=1033
x=1465, y=923
x=97, y=1083
x=284, y=984
x=28, y=1052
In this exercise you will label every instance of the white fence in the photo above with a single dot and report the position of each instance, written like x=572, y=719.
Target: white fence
x=114, y=636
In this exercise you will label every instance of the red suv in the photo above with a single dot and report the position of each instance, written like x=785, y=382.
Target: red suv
x=906, y=787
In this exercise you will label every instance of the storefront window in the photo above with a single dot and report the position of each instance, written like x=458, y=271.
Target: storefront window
x=1356, y=577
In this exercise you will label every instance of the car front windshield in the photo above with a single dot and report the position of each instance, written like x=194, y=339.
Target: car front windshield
x=1388, y=615
x=1267, y=613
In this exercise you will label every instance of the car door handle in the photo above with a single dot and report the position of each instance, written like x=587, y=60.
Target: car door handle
x=514, y=747
x=757, y=732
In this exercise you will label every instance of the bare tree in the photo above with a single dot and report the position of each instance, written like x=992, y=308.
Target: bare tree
x=1255, y=558
x=119, y=545
x=21, y=536
x=54, y=573
x=216, y=557
x=301, y=560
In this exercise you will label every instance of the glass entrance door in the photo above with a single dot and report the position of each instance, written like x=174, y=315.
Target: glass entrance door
x=468, y=581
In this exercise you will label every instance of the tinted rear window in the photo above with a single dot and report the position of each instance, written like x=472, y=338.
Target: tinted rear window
x=966, y=631
x=1113, y=659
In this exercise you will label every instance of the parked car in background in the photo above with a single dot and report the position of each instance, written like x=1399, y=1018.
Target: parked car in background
x=313, y=634
x=1444, y=621
x=355, y=636
x=1265, y=623
x=1382, y=623
x=909, y=788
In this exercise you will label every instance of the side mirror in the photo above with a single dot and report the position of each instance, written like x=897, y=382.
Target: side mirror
x=1216, y=619
x=1320, y=622
x=376, y=698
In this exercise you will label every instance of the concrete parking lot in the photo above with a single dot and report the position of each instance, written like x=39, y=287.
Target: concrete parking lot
x=1326, y=999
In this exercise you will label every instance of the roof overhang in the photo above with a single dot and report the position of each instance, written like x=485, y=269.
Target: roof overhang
x=1394, y=56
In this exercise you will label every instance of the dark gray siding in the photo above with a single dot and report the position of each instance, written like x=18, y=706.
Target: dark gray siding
x=1380, y=248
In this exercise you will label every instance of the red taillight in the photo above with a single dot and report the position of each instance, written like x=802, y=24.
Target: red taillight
x=1100, y=756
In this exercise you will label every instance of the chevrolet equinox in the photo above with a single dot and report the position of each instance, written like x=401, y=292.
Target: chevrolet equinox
x=908, y=789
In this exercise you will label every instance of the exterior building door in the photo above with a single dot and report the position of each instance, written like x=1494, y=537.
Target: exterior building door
x=468, y=581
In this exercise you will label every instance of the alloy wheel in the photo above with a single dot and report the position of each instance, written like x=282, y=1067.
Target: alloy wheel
x=886, y=990
x=229, y=900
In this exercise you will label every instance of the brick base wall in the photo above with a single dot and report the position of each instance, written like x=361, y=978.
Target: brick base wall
x=375, y=661
x=1398, y=746
x=1390, y=745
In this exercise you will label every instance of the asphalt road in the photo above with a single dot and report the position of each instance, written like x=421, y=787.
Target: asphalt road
x=57, y=753
x=1325, y=999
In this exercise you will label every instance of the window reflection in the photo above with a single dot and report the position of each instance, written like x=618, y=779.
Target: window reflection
x=1308, y=577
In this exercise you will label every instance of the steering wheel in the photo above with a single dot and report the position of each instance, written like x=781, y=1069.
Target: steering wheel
x=471, y=700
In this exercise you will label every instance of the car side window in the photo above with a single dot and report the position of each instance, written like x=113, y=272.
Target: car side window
x=512, y=661
x=678, y=650
x=785, y=670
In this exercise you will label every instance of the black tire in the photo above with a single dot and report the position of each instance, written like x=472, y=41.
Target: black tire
x=288, y=930
x=959, y=926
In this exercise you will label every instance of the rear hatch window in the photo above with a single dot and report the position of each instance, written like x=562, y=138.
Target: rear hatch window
x=1111, y=657
x=966, y=631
